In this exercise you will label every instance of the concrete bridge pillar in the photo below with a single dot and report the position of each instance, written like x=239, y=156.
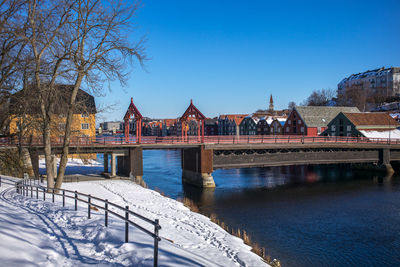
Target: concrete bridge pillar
x=197, y=166
x=113, y=165
x=384, y=160
x=132, y=164
x=105, y=162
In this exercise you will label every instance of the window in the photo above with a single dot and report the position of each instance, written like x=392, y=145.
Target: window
x=85, y=126
x=84, y=115
x=294, y=129
x=348, y=134
x=294, y=123
x=299, y=122
x=349, y=128
x=288, y=121
x=333, y=128
x=319, y=130
x=341, y=128
x=287, y=129
x=302, y=129
x=61, y=126
x=340, y=121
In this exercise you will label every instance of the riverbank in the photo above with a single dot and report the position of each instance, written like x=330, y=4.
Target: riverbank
x=187, y=230
x=51, y=234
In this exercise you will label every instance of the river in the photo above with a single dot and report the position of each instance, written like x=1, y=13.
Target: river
x=302, y=215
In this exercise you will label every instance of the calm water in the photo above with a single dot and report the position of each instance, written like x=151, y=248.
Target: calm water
x=321, y=216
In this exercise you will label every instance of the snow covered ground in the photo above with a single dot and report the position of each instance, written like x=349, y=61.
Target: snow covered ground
x=37, y=233
x=76, y=166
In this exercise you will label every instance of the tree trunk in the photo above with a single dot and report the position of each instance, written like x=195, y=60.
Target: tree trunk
x=48, y=158
x=67, y=136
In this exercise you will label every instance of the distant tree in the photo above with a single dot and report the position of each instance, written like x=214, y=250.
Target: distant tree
x=291, y=105
x=320, y=97
x=355, y=96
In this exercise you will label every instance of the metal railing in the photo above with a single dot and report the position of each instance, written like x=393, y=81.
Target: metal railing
x=216, y=139
x=26, y=187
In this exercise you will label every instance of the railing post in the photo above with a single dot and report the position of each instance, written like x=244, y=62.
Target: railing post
x=156, y=228
x=31, y=191
x=76, y=200
x=106, y=212
x=63, y=198
x=0, y=180
x=88, y=207
x=37, y=192
x=126, y=224
x=44, y=194
x=52, y=194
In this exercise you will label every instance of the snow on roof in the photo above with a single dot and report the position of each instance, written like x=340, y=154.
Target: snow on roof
x=392, y=134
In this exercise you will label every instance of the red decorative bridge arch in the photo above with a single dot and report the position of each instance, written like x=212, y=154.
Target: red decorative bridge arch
x=193, y=113
x=133, y=112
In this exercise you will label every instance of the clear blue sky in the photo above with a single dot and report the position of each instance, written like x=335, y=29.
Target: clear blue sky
x=229, y=56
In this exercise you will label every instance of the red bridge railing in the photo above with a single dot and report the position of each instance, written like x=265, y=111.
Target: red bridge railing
x=226, y=139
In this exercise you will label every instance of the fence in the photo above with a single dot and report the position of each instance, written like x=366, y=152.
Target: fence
x=217, y=139
x=25, y=186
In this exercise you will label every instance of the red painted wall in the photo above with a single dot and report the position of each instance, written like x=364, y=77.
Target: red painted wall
x=293, y=116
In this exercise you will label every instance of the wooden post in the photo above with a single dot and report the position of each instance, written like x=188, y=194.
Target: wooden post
x=106, y=212
x=126, y=224
x=76, y=200
x=156, y=228
x=89, y=200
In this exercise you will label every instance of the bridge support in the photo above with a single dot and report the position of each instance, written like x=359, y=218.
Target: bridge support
x=384, y=160
x=105, y=156
x=197, y=166
x=132, y=164
x=113, y=165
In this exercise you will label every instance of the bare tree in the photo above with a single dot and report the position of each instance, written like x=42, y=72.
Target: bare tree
x=100, y=50
x=291, y=105
x=319, y=97
x=45, y=24
x=355, y=95
x=56, y=42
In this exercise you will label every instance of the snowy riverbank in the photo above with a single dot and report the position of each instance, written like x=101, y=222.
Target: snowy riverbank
x=34, y=231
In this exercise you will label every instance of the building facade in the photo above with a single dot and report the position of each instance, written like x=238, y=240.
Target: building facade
x=312, y=120
x=366, y=124
x=378, y=82
x=263, y=127
x=248, y=126
x=25, y=115
x=229, y=124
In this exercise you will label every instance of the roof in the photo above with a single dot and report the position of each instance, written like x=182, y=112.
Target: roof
x=236, y=117
x=254, y=119
x=371, y=120
x=29, y=99
x=394, y=133
x=192, y=111
x=320, y=116
x=371, y=73
x=169, y=122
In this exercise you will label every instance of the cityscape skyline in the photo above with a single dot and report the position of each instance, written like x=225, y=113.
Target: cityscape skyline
x=229, y=58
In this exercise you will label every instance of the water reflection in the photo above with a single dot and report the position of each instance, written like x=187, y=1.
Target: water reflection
x=304, y=215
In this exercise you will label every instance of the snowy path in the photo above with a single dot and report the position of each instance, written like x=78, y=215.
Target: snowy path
x=37, y=233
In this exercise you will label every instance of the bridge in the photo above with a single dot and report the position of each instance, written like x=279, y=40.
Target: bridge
x=199, y=158
x=201, y=155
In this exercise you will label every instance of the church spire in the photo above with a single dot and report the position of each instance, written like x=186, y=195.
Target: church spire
x=271, y=104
